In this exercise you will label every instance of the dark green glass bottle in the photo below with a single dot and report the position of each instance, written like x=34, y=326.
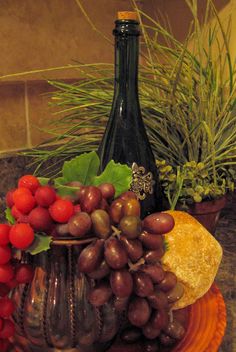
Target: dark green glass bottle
x=125, y=139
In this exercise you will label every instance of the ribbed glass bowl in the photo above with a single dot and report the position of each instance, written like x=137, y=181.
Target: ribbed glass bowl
x=53, y=313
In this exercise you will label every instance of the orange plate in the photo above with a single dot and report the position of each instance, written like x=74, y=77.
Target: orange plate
x=206, y=328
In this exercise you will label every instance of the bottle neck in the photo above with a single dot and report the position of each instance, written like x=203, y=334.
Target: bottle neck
x=126, y=59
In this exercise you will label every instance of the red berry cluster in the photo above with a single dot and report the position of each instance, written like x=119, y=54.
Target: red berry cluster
x=11, y=275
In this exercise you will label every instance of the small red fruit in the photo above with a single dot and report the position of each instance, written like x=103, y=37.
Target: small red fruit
x=6, y=307
x=29, y=181
x=9, y=198
x=40, y=219
x=4, y=234
x=4, y=345
x=25, y=203
x=61, y=210
x=45, y=196
x=16, y=195
x=7, y=330
x=6, y=273
x=16, y=213
x=4, y=290
x=24, y=274
x=12, y=283
x=5, y=254
x=21, y=235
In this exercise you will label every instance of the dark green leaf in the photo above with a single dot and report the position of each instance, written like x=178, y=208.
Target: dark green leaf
x=119, y=175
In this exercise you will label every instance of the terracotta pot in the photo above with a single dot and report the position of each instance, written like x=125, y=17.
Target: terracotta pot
x=208, y=212
x=53, y=313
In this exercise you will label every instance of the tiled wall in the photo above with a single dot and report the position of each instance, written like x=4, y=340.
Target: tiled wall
x=52, y=33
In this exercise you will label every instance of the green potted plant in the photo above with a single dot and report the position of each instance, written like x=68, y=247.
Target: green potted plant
x=187, y=93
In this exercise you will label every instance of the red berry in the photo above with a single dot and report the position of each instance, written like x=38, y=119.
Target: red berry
x=9, y=198
x=61, y=210
x=4, y=290
x=4, y=234
x=12, y=283
x=29, y=181
x=1, y=324
x=24, y=274
x=21, y=236
x=6, y=307
x=45, y=196
x=40, y=219
x=4, y=345
x=7, y=330
x=6, y=273
x=16, y=213
x=25, y=203
x=5, y=254
x=16, y=195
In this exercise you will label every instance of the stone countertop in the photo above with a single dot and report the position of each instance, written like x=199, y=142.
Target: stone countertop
x=13, y=167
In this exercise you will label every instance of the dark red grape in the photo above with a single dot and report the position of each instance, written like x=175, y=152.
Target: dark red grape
x=168, y=283
x=90, y=199
x=150, y=332
x=151, y=241
x=104, y=205
x=100, y=294
x=61, y=230
x=128, y=195
x=91, y=257
x=116, y=210
x=121, y=283
x=175, y=330
x=160, y=319
x=79, y=224
x=115, y=254
x=131, y=334
x=130, y=226
x=100, y=272
x=153, y=257
x=143, y=285
x=158, y=300
x=132, y=207
x=166, y=340
x=133, y=248
x=159, y=223
x=155, y=271
x=150, y=346
x=101, y=223
x=108, y=190
x=139, y=311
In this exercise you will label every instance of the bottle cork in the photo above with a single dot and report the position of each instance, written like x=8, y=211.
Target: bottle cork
x=127, y=15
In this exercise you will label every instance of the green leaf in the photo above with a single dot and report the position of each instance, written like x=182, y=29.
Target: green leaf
x=9, y=216
x=41, y=243
x=119, y=175
x=43, y=180
x=62, y=189
x=82, y=168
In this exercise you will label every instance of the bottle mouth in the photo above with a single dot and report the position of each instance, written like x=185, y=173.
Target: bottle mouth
x=127, y=15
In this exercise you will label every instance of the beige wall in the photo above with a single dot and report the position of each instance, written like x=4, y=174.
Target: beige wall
x=50, y=33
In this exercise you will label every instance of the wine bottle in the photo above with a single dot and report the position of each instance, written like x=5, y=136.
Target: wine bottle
x=125, y=139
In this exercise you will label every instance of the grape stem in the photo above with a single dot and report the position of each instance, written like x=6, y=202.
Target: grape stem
x=136, y=266
x=171, y=316
x=116, y=232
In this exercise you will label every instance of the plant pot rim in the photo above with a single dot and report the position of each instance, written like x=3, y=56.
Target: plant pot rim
x=209, y=206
